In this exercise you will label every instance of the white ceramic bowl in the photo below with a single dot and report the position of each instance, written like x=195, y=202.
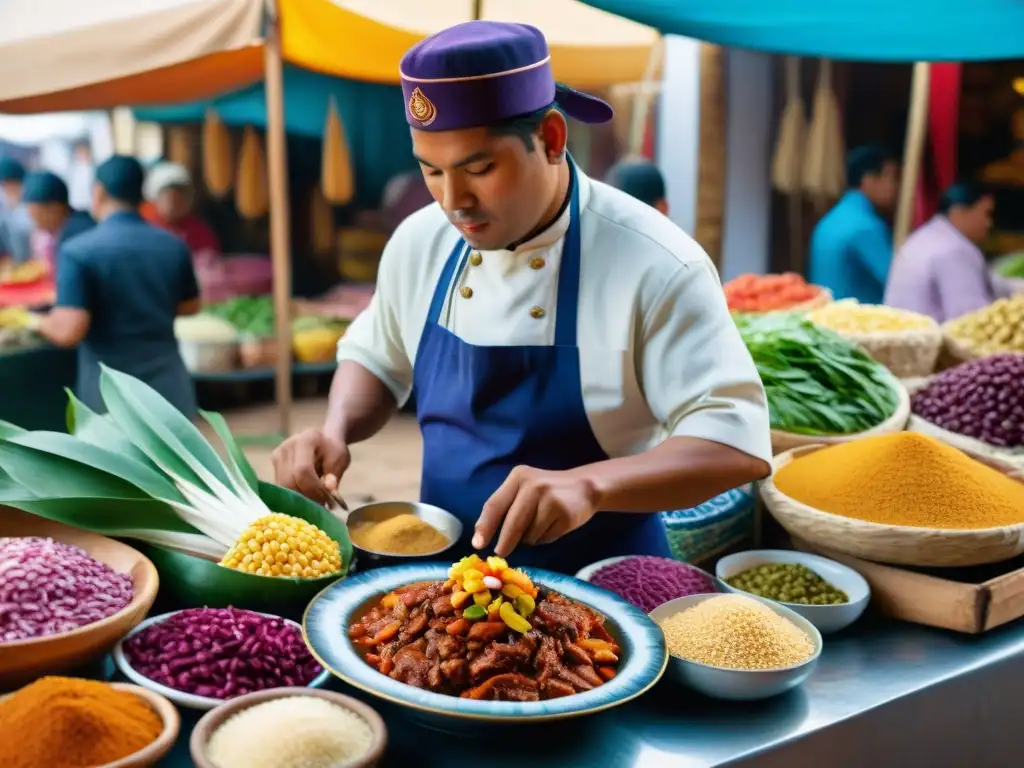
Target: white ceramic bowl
x=827, y=618
x=182, y=699
x=738, y=684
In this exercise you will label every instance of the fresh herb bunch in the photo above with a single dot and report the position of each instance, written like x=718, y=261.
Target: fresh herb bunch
x=817, y=382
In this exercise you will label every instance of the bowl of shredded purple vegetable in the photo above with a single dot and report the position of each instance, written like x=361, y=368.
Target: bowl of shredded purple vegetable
x=201, y=657
x=66, y=596
x=647, y=581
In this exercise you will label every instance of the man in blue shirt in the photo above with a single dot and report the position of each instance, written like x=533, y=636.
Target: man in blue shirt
x=639, y=178
x=851, y=248
x=119, y=287
x=46, y=197
x=15, y=224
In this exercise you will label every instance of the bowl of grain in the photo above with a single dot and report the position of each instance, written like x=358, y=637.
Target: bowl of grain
x=285, y=727
x=390, y=532
x=737, y=647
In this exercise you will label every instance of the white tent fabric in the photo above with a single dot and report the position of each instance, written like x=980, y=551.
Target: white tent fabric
x=48, y=46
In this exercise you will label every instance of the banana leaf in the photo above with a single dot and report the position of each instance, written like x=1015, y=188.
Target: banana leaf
x=235, y=453
x=192, y=582
x=102, y=431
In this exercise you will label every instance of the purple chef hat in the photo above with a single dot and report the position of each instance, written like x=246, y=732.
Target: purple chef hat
x=483, y=72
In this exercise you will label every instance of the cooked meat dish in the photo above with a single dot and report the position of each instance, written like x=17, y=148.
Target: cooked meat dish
x=415, y=635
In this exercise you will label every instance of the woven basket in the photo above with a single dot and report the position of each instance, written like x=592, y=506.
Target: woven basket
x=908, y=354
x=784, y=441
x=956, y=351
x=700, y=533
x=1010, y=462
x=895, y=544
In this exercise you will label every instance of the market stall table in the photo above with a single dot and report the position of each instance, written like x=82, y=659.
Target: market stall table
x=884, y=693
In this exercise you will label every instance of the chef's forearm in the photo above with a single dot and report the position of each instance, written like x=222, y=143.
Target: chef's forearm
x=680, y=473
x=359, y=404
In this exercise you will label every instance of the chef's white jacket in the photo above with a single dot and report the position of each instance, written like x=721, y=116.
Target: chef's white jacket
x=659, y=354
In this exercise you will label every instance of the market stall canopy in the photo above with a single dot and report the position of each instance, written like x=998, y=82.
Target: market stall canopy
x=365, y=39
x=69, y=54
x=857, y=30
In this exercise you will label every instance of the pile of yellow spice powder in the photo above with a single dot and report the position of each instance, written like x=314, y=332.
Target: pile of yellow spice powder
x=736, y=632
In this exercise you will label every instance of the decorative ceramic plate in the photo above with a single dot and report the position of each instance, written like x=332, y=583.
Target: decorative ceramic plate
x=181, y=698
x=329, y=615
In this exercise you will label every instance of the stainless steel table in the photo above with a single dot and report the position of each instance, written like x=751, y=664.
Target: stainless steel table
x=884, y=694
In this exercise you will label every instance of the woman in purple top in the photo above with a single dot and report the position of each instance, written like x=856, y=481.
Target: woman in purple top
x=940, y=270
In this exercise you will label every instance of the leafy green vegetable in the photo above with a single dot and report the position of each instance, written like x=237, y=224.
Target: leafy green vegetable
x=817, y=382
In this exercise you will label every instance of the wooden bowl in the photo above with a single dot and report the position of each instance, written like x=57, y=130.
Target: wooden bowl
x=155, y=751
x=894, y=544
x=22, y=661
x=212, y=720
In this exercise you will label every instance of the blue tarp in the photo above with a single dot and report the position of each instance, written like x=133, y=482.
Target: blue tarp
x=864, y=30
x=373, y=116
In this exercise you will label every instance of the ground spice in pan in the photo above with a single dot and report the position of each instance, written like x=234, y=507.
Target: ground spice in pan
x=736, y=632
x=71, y=723
x=402, y=534
x=904, y=478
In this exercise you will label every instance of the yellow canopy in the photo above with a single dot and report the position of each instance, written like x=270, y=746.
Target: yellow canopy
x=70, y=55
x=365, y=39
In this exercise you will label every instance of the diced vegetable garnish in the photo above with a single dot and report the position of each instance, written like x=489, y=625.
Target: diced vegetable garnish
x=474, y=613
x=482, y=599
x=513, y=620
x=492, y=586
x=525, y=604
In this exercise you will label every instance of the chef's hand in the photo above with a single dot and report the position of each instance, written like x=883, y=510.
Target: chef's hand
x=534, y=506
x=302, y=461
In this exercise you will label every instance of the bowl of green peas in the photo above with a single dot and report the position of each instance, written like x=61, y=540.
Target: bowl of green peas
x=828, y=594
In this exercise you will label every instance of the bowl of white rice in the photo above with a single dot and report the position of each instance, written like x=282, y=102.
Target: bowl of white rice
x=288, y=727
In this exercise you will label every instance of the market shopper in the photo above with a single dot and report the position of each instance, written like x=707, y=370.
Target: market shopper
x=15, y=223
x=171, y=195
x=640, y=178
x=851, y=247
x=940, y=270
x=570, y=348
x=46, y=198
x=119, y=287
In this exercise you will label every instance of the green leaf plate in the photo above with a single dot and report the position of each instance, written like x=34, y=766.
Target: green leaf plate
x=193, y=582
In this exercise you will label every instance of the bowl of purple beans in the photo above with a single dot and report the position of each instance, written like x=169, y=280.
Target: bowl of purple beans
x=201, y=657
x=647, y=581
x=66, y=596
x=982, y=399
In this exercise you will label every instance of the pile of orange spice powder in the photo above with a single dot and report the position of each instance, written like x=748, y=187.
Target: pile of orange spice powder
x=71, y=723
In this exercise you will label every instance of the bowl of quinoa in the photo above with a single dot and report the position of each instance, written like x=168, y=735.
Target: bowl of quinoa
x=737, y=647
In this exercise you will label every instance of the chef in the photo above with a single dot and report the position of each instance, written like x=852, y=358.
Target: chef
x=575, y=366
x=119, y=287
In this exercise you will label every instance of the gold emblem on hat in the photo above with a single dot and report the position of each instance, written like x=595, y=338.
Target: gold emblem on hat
x=421, y=108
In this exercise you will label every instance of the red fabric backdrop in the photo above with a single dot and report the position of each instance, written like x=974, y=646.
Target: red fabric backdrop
x=938, y=170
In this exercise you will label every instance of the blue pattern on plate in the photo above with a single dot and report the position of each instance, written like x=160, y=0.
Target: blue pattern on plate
x=329, y=615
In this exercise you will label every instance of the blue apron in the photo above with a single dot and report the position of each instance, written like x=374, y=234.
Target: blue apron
x=485, y=410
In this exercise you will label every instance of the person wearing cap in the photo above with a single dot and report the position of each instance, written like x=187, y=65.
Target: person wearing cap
x=575, y=366
x=15, y=223
x=46, y=198
x=119, y=287
x=940, y=270
x=170, y=193
x=640, y=178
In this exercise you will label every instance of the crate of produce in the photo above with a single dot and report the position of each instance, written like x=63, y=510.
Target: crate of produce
x=904, y=499
x=907, y=343
x=821, y=388
x=787, y=292
x=992, y=330
x=967, y=600
x=207, y=344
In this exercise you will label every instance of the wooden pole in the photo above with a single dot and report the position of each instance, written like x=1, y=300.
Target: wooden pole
x=712, y=163
x=913, y=151
x=280, y=224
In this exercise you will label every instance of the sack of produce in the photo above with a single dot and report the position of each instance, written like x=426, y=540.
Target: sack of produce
x=903, y=498
x=977, y=407
x=315, y=339
x=907, y=343
x=208, y=344
x=707, y=530
x=773, y=293
x=821, y=387
x=995, y=329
